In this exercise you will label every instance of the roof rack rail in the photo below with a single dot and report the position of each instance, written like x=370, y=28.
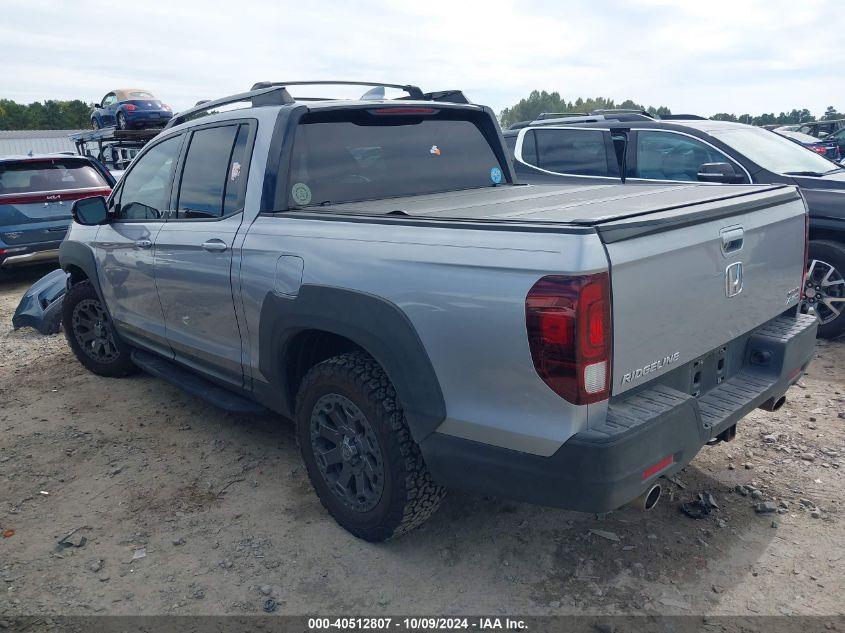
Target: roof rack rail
x=445, y=96
x=612, y=111
x=414, y=92
x=273, y=95
x=557, y=115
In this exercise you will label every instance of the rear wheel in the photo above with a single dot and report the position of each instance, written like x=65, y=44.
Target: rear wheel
x=91, y=335
x=365, y=467
x=121, y=121
x=824, y=289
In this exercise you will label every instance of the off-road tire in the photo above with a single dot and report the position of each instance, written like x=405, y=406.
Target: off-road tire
x=833, y=253
x=118, y=366
x=409, y=496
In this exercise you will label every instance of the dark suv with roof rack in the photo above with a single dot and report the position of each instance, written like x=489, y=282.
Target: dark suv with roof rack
x=635, y=148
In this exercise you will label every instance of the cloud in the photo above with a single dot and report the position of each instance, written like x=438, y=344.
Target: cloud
x=737, y=56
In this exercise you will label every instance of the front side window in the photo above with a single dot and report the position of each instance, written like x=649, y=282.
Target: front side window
x=109, y=99
x=773, y=152
x=213, y=178
x=578, y=152
x=145, y=190
x=362, y=156
x=670, y=156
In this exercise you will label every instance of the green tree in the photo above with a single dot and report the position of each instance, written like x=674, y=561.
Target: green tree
x=831, y=113
x=50, y=115
x=539, y=102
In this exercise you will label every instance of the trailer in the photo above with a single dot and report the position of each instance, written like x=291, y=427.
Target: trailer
x=112, y=147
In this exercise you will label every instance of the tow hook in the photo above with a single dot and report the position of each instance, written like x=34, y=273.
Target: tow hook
x=773, y=404
x=648, y=499
x=725, y=436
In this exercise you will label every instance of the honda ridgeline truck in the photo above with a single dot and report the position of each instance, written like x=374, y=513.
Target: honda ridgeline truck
x=371, y=269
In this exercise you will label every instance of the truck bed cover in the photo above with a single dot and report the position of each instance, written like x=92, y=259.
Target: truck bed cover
x=616, y=211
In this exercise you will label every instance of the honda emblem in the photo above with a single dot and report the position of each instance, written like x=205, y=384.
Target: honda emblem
x=733, y=279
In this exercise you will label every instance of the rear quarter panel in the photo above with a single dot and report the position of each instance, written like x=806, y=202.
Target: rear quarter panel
x=464, y=292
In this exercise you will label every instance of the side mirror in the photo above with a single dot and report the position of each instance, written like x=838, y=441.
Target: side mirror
x=718, y=172
x=90, y=211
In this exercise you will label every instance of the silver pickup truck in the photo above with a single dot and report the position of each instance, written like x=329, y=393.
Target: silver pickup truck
x=370, y=269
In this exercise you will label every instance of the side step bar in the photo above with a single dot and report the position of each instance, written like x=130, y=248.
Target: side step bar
x=195, y=385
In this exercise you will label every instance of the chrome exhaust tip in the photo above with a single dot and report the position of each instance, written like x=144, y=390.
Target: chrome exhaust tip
x=773, y=404
x=648, y=500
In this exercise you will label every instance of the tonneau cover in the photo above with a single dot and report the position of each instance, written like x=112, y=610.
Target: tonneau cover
x=589, y=205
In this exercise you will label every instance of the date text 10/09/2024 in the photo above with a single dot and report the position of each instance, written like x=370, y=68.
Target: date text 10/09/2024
x=416, y=624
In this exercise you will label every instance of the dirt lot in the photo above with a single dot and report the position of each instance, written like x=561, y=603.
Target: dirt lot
x=221, y=509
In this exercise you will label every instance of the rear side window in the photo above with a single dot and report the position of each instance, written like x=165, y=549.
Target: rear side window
x=213, y=178
x=366, y=156
x=670, y=156
x=49, y=175
x=577, y=152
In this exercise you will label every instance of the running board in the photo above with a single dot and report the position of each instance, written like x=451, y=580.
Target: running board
x=194, y=384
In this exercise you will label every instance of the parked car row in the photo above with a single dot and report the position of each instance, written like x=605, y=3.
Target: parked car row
x=634, y=148
x=611, y=146
x=826, y=147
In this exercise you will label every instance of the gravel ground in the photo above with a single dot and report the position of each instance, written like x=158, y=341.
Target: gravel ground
x=179, y=508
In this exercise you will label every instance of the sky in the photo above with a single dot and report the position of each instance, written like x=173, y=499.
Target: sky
x=739, y=56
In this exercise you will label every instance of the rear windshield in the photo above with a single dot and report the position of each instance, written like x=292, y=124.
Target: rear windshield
x=366, y=156
x=48, y=175
x=138, y=94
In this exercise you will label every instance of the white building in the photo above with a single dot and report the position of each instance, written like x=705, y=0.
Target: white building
x=36, y=141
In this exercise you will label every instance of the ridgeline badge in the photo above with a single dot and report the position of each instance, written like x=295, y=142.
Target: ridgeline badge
x=651, y=368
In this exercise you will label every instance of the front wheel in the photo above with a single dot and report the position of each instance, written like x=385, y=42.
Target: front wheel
x=91, y=335
x=366, y=468
x=824, y=289
x=95, y=124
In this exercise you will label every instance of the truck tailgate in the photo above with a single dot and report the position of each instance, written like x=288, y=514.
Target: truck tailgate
x=687, y=281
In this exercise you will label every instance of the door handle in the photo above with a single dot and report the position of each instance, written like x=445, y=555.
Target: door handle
x=733, y=239
x=143, y=243
x=214, y=246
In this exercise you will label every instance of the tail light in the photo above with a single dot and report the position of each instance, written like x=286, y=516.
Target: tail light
x=569, y=334
x=130, y=107
x=403, y=111
x=57, y=196
x=819, y=149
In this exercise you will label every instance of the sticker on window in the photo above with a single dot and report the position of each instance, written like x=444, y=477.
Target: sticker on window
x=434, y=150
x=301, y=193
x=236, y=171
x=496, y=175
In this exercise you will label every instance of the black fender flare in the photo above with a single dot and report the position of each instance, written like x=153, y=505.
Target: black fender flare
x=374, y=324
x=78, y=255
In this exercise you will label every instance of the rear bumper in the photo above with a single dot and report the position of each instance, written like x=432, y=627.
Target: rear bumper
x=29, y=255
x=601, y=469
x=146, y=119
